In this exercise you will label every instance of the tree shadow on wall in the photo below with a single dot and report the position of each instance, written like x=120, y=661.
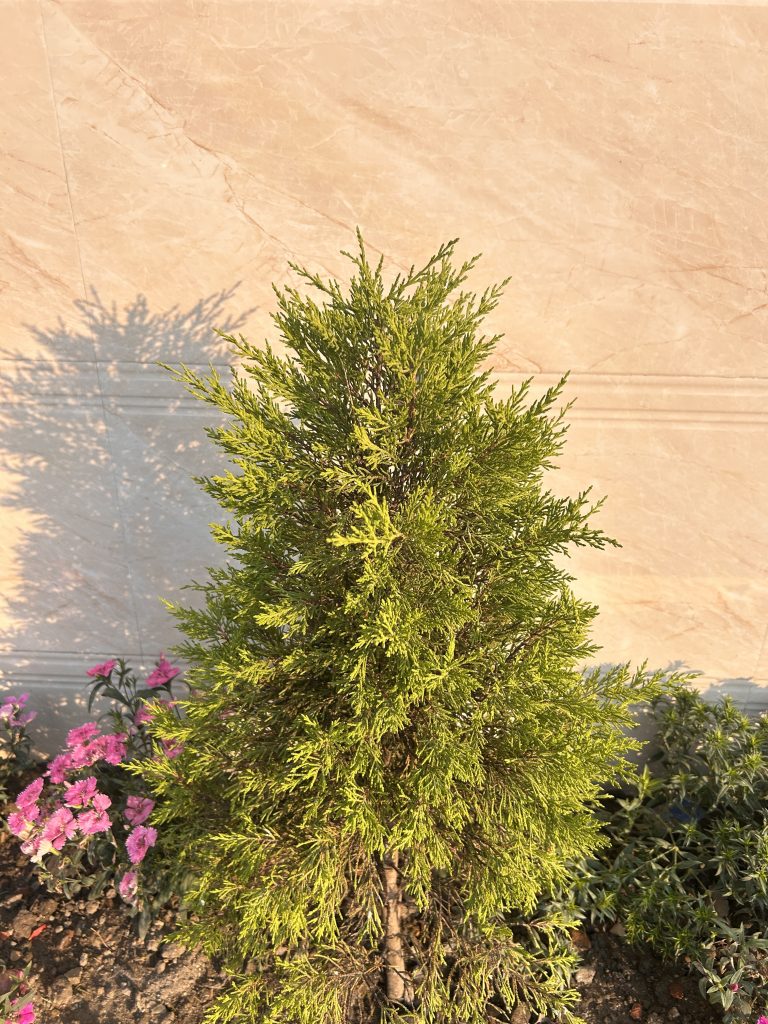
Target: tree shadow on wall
x=99, y=514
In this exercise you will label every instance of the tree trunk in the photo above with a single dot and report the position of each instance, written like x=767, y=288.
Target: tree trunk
x=399, y=984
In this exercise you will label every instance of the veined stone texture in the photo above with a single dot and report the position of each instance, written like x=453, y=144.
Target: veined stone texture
x=162, y=160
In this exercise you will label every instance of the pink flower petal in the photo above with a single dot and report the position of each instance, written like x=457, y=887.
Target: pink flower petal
x=103, y=669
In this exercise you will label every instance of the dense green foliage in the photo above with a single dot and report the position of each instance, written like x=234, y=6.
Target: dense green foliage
x=390, y=748
x=687, y=864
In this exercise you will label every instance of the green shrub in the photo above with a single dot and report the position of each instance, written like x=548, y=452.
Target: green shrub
x=391, y=747
x=686, y=868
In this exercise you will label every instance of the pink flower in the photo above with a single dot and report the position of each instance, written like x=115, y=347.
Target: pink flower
x=84, y=754
x=172, y=748
x=102, y=670
x=138, y=809
x=138, y=842
x=113, y=747
x=91, y=822
x=762, y=1020
x=60, y=827
x=21, y=824
x=82, y=734
x=734, y=987
x=31, y=847
x=143, y=715
x=29, y=796
x=110, y=748
x=96, y=818
x=164, y=673
x=11, y=711
x=17, y=823
x=128, y=886
x=59, y=766
x=25, y=1014
x=81, y=793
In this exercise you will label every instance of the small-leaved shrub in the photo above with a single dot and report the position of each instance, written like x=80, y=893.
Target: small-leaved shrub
x=687, y=865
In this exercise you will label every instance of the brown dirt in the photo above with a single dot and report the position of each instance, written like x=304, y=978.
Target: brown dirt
x=89, y=967
x=623, y=984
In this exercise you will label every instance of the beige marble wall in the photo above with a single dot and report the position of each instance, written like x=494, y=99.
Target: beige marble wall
x=161, y=160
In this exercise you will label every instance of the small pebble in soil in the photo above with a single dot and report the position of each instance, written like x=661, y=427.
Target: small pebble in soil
x=581, y=940
x=24, y=923
x=61, y=992
x=676, y=989
x=585, y=975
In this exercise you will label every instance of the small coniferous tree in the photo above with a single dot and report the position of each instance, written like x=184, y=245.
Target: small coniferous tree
x=390, y=746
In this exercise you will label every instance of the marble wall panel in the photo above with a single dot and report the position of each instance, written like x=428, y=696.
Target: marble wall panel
x=104, y=519
x=680, y=466
x=39, y=259
x=161, y=163
x=608, y=156
x=158, y=443
x=63, y=575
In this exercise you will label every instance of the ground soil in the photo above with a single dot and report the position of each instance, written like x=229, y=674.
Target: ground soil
x=622, y=984
x=89, y=967
x=88, y=964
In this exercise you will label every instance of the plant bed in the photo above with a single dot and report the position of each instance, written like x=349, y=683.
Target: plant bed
x=90, y=967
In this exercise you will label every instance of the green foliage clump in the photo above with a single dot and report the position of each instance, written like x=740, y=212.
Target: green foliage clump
x=686, y=868
x=391, y=748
